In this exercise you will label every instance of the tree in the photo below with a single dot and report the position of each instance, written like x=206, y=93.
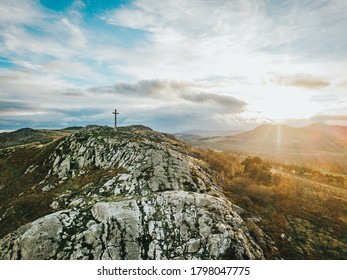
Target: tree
x=257, y=169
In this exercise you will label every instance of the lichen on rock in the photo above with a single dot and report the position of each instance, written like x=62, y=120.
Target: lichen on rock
x=152, y=200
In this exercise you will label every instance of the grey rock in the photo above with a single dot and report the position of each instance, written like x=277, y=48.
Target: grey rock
x=169, y=225
x=54, y=205
x=48, y=188
x=154, y=201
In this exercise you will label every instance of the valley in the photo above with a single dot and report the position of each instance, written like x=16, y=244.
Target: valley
x=316, y=146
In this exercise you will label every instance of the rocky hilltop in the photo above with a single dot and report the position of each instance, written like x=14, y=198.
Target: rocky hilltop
x=125, y=193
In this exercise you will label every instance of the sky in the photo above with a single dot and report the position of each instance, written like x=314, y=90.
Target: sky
x=172, y=65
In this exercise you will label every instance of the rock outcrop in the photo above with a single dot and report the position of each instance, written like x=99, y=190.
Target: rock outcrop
x=130, y=193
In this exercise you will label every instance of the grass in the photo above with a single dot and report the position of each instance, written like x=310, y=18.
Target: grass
x=312, y=215
x=311, y=218
x=21, y=197
x=19, y=194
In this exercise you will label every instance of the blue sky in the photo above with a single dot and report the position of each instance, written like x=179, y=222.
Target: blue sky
x=172, y=65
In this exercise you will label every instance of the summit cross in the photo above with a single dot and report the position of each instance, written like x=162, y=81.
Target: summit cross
x=115, y=117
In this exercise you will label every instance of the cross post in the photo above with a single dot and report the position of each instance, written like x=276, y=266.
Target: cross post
x=115, y=117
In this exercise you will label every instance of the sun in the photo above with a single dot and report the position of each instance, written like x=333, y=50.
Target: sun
x=278, y=104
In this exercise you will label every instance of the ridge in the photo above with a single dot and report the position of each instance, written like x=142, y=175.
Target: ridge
x=118, y=193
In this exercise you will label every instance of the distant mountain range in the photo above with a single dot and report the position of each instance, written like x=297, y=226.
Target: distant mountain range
x=200, y=133
x=283, y=138
x=316, y=142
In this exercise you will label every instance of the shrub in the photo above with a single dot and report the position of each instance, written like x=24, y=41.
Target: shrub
x=276, y=179
x=225, y=163
x=257, y=169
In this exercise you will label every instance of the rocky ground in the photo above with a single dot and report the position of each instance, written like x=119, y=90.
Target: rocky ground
x=125, y=193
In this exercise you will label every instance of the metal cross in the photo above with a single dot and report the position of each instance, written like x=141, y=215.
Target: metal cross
x=115, y=117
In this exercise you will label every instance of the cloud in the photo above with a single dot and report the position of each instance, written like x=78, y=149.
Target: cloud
x=31, y=32
x=184, y=45
x=170, y=104
x=232, y=104
x=28, y=86
x=178, y=117
x=323, y=118
x=152, y=87
x=197, y=38
x=15, y=106
x=73, y=93
x=302, y=80
x=176, y=91
x=160, y=61
x=77, y=38
x=18, y=11
x=69, y=68
x=145, y=88
x=343, y=84
x=22, y=43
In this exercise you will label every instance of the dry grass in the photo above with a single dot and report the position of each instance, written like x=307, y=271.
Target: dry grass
x=311, y=215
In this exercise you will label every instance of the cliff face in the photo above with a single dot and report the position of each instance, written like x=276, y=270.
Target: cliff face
x=129, y=193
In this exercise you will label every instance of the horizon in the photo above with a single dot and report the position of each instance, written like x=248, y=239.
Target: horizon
x=176, y=132
x=72, y=62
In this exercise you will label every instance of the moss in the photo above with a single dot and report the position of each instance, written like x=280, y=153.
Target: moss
x=22, y=191
x=158, y=215
x=189, y=187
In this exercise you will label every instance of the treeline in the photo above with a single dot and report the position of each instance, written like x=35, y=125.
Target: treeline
x=311, y=174
x=254, y=182
x=284, y=203
x=229, y=166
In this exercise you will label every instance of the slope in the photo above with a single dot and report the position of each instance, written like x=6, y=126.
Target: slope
x=317, y=144
x=126, y=193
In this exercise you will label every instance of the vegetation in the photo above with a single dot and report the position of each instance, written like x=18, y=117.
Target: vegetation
x=310, y=173
x=303, y=210
x=257, y=169
x=225, y=163
x=21, y=197
x=27, y=135
x=22, y=202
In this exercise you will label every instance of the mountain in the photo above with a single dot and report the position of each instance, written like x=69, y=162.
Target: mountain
x=125, y=193
x=29, y=135
x=208, y=133
x=285, y=138
x=316, y=143
x=197, y=134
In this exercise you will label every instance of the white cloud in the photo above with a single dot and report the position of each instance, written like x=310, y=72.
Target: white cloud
x=18, y=11
x=30, y=31
x=192, y=38
x=237, y=60
x=197, y=39
x=20, y=42
x=302, y=80
x=77, y=39
x=176, y=91
x=69, y=68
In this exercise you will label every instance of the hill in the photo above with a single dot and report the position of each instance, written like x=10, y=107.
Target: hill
x=29, y=135
x=125, y=193
x=317, y=144
x=283, y=138
x=134, y=193
x=195, y=134
x=302, y=210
